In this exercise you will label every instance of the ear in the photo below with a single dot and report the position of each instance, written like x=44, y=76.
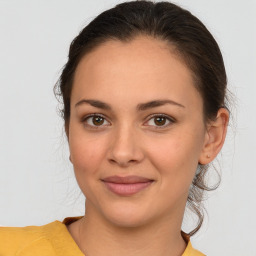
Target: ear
x=214, y=137
x=67, y=134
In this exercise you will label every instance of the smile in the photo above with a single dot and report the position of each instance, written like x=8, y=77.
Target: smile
x=126, y=186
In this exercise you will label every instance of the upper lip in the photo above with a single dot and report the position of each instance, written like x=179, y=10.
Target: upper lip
x=126, y=180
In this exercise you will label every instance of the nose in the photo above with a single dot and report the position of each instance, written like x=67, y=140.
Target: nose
x=125, y=147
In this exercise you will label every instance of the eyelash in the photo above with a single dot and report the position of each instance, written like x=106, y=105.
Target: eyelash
x=85, y=120
x=168, y=118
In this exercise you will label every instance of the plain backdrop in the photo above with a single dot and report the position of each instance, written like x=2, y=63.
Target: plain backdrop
x=37, y=184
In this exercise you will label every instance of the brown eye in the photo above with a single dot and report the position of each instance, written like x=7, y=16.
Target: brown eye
x=95, y=121
x=160, y=120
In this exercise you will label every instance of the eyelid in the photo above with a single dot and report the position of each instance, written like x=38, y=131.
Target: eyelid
x=84, y=118
x=148, y=118
x=169, y=118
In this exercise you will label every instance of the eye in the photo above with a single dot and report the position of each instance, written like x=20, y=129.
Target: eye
x=95, y=121
x=160, y=121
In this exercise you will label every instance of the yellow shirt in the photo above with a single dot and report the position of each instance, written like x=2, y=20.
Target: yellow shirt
x=52, y=239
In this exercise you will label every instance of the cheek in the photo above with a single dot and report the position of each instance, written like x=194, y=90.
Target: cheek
x=176, y=158
x=87, y=153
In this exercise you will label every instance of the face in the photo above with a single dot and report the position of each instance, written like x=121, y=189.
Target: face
x=136, y=131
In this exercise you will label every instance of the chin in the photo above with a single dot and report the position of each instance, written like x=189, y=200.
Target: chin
x=127, y=221
x=127, y=216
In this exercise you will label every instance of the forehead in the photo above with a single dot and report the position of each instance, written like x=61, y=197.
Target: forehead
x=145, y=67
x=142, y=54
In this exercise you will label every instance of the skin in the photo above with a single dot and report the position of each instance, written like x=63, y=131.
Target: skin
x=131, y=142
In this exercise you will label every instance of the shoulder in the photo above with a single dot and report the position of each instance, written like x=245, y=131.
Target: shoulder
x=27, y=241
x=190, y=251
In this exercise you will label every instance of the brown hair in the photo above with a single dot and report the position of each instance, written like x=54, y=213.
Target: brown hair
x=191, y=40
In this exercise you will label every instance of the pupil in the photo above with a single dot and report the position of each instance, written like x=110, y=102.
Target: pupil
x=98, y=120
x=160, y=120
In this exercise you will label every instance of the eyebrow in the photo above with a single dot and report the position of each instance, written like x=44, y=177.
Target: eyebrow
x=140, y=107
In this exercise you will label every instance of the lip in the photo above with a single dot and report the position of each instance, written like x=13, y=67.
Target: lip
x=128, y=185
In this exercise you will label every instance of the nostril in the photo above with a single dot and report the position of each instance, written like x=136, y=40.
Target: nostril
x=122, y=163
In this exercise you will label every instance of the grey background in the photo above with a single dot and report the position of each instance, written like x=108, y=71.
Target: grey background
x=36, y=179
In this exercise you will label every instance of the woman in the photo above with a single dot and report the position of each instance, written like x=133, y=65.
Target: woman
x=143, y=96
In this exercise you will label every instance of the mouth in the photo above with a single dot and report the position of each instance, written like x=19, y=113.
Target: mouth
x=126, y=186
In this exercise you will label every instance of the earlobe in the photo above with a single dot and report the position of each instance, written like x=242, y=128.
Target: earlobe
x=215, y=137
x=67, y=134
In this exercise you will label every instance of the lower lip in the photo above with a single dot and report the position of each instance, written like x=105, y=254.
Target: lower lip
x=127, y=189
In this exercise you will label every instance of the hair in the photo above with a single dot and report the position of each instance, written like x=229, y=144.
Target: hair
x=189, y=38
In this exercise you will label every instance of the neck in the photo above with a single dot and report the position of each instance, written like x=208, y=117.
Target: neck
x=97, y=237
